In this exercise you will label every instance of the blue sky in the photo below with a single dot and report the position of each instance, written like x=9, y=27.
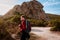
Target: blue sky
x=50, y=6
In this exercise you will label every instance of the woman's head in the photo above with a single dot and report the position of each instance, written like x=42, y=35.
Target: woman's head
x=23, y=18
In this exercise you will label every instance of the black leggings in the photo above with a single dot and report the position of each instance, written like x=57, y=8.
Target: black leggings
x=25, y=35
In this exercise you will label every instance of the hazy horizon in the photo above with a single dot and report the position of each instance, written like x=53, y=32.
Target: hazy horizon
x=50, y=6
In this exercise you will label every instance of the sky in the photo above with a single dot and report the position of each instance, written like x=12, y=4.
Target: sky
x=50, y=6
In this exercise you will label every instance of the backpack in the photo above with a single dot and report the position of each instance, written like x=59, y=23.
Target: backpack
x=28, y=26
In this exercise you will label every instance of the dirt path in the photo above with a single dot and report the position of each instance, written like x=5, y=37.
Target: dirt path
x=45, y=33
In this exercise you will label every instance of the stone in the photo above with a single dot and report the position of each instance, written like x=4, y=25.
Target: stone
x=32, y=9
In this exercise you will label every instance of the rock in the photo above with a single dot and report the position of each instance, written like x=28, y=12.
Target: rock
x=32, y=9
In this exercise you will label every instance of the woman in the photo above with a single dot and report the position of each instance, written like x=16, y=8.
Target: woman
x=25, y=28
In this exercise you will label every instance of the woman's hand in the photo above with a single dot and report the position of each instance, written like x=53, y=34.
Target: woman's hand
x=19, y=25
x=20, y=29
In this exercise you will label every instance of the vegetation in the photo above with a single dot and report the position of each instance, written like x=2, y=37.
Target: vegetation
x=10, y=24
x=7, y=27
x=54, y=22
x=56, y=25
x=35, y=22
x=53, y=17
x=4, y=35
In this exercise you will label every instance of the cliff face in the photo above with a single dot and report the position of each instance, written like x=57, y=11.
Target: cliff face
x=32, y=9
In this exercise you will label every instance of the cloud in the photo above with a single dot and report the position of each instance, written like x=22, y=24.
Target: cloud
x=6, y=5
x=8, y=1
x=4, y=8
x=51, y=2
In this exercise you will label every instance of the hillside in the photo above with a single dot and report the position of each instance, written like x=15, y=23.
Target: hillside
x=53, y=16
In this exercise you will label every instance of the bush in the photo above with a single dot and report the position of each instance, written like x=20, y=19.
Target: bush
x=56, y=26
x=35, y=22
x=3, y=33
x=15, y=19
x=51, y=23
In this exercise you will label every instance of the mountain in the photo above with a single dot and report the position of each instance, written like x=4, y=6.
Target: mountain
x=53, y=16
x=32, y=9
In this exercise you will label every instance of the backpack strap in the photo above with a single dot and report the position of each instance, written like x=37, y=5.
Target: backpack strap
x=26, y=24
x=28, y=29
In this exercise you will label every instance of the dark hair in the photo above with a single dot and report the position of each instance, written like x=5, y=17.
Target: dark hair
x=23, y=16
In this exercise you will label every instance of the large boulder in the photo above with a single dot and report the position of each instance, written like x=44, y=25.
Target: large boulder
x=32, y=9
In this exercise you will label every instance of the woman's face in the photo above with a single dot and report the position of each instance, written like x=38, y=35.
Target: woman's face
x=22, y=18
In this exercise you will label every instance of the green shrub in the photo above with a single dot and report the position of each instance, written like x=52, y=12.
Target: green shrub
x=51, y=23
x=15, y=19
x=56, y=26
x=35, y=22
